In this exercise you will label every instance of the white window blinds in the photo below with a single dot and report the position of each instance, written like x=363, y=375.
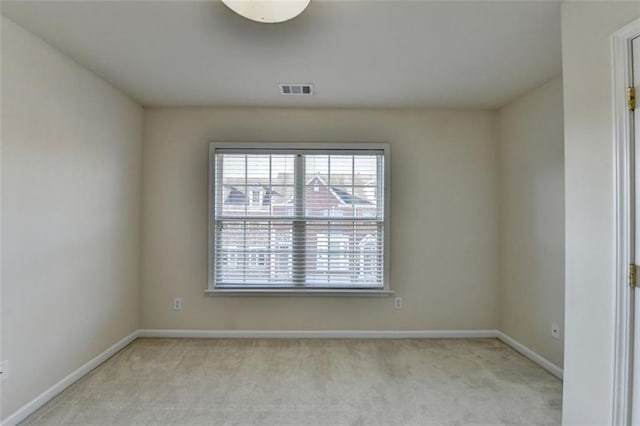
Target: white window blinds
x=297, y=218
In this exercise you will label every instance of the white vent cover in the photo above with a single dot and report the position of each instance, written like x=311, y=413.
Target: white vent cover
x=296, y=89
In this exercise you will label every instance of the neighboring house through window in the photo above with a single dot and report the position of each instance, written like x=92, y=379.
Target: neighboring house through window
x=303, y=218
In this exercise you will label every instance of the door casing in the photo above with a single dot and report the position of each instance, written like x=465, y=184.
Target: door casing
x=624, y=212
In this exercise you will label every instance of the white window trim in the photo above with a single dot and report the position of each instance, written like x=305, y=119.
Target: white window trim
x=309, y=147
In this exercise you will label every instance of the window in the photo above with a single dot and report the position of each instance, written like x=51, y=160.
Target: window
x=255, y=197
x=298, y=218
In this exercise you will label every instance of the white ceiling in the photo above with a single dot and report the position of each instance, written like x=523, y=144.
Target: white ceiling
x=357, y=53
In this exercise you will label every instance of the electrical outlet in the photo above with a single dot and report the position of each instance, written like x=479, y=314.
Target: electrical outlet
x=397, y=303
x=177, y=304
x=4, y=371
x=555, y=330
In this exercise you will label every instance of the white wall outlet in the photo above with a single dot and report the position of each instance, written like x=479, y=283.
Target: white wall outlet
x=177, y=304
x=555, y=330
x=397, y=303
x=4, y=371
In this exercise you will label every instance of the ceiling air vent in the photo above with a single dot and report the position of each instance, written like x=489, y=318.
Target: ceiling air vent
x=296, y=89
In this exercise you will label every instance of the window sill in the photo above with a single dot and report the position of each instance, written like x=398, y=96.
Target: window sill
x=300, y=292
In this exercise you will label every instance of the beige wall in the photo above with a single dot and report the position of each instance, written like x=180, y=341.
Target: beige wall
x=589, y=316
x=444, y=219
x=531, y=150
x=71, y=180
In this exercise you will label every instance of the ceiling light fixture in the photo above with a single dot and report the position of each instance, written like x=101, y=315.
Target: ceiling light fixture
x=267, y=11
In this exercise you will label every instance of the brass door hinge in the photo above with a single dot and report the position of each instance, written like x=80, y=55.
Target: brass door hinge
x=631, y=98
x=633, y=276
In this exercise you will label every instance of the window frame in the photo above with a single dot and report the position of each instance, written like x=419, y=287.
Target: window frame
x=306, y=148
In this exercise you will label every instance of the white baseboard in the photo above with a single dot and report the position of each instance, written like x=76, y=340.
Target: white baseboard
x=30, y=407
x=321, y=334
x=54, y=390
x=532, y=355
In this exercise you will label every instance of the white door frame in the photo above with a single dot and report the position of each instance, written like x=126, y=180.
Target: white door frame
x=624, y=225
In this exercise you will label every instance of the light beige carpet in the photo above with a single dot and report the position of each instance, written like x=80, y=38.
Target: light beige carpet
x=310, y=382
